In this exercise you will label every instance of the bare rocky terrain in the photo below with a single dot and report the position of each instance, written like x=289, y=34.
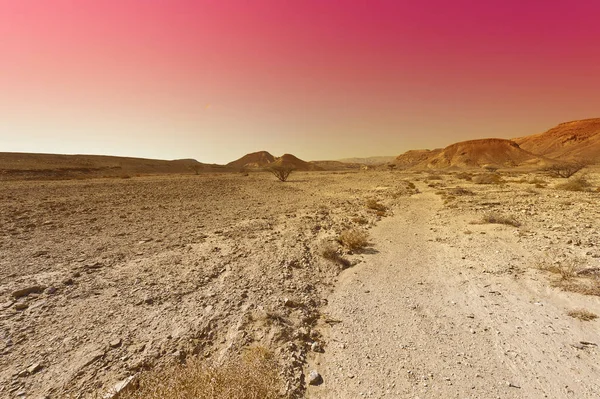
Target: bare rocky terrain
x=102, y=279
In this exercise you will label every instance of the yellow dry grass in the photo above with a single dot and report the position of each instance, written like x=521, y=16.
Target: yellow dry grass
x=252, y=376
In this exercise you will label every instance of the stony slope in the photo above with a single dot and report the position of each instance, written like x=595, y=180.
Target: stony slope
x=253, y=160
x=569, y=141
x=414, y=157
x=14, y=165
x=499, y=153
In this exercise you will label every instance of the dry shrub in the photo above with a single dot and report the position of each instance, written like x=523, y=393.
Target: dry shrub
x=572, y=276
x=582, y=314
x=330, y=253
x=565, y=170
x=410, y=185
x=536, y=180
x=495, y=218
x=460, y=191
x=281, y=172
x=360, y=220
x=465, y=176
x=354, y=239
x=578, y=184
x=376, y=206
x=488, y=178
x=254, y=375
x=566, y=270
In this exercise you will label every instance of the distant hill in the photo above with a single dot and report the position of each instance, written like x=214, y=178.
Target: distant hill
x=415, y=157
x=336, y=165
x=263, y=159
x=569, y=141
x=499, y=153
x=253, y=160
x=380, y=160
x=15, y=165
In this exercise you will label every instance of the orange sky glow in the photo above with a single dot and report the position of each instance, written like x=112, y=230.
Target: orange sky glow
x=215, y=79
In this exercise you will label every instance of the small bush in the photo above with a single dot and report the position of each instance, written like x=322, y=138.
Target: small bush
x=564, y=170
x=465, y=176
x=332, y=254
x=566, y=270
x=494, y=218
x=254, y=375
x=281, y=172
x=488, y=178
x=460, y=191
x=360, y=220
x=354, y=239
x=578, y=184
x=582, y=314
x=376, y=206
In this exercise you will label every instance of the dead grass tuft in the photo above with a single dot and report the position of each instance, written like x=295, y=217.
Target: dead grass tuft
x=582, y=314
x=572, y=276
x=460, y=191
x=330, y=253
x=360, y=220
x=495, y=218
x=253, y=375
x=376, y=206
x=578, y=184
x=465, y=176
x=488, y=178
x=354, y=239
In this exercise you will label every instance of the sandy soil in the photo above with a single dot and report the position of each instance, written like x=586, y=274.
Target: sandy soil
x=129, y=274
x=437, y=313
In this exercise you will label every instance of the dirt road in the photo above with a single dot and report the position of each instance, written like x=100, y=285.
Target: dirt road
x=440, y=311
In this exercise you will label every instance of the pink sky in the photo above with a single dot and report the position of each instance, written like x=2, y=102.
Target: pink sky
x=323, y=79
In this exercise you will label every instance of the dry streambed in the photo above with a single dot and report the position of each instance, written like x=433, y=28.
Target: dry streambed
x=460, y=301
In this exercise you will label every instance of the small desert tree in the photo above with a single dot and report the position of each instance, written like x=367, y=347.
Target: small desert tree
x=196, y=168
x=566, y=169
x=282, y=172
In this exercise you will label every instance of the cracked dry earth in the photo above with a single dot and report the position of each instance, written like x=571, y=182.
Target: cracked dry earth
x=103, y=279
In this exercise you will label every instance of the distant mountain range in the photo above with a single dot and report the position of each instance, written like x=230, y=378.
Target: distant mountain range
x=577, y=141
x=567, y=142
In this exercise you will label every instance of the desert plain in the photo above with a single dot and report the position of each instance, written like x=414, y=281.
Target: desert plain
x=477, y=284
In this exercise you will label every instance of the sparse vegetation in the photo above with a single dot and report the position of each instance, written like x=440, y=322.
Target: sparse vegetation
x=572, y=276
x=330, y=253
x=360, y=220
x=490, y=168
x=582, y=314
x=460, y=191
x=488, y=178
x=282, y=172
x=564, y=170
x=465, y=176
x=354, y=239
x=376, y=206
x=495, y=218
x=577, y=184
x=252, y=376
